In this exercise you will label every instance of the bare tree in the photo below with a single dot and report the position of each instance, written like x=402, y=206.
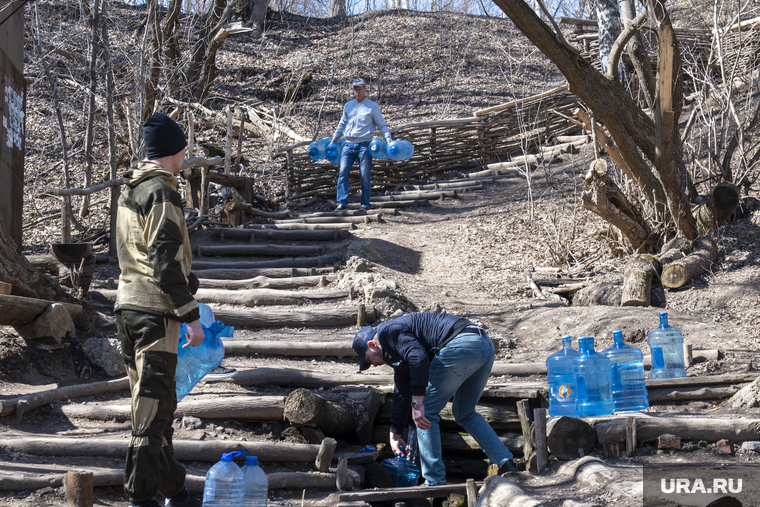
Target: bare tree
x=92, y=72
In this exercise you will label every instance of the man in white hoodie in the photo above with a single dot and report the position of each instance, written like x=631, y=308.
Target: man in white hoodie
x=360, y=118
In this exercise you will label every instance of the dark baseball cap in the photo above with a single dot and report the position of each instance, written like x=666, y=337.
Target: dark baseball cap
x=364, y=335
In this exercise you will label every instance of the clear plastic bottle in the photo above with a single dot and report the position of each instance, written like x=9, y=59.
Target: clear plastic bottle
x=193, y=363
x=563, y=391
x=629, y=390
x=225, y=485
x=334, y=151
x=207, y=314
x=378, y=149
x=403, y=473
x=593, y=374
x=317, y=148
x=666, y=346
x=400, y=150
x=256, y=483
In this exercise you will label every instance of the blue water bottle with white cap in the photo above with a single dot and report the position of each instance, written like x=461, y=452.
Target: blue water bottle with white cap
x=334, y=151
x=629, y=390
x=666, y=346
x=563, y=390
x=593, y=374
x=378, y=149
x=317, y=148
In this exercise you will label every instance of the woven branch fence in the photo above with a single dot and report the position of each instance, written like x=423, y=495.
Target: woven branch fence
x=492, y=135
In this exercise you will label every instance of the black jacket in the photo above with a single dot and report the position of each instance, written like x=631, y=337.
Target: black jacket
x=409, y=344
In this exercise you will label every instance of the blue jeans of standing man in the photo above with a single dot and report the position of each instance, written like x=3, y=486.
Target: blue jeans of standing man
x=351, y=152
x=461, y=370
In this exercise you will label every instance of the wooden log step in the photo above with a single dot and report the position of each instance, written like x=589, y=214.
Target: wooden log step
x=38, y=399
x=262, y=282
x=361, y=219
x=254, y=297
x=498, y=415
x=455, y=442
x=290, y=377
x=467, y=183
x=581, y=139
x=305, y=408
x=351, y=213
x=254, y=408
x=332, y=317
x=18, y=310
x=672, y=394
x=248, y=209
x=649, y=427
x=302, y=348
x=389, y=494
x=184, y=450
x=291, y=262
x=305, y=227
x=395, y=204
x=503, y=171
x=263, y=273
x=277, y=235
x=258, y=250
x=439, y=194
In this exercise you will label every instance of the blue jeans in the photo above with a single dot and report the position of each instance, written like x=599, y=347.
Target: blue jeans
x=351, y=152
x=461, y=370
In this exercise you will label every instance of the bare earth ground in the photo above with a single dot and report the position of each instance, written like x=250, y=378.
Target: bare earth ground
x=467, y=256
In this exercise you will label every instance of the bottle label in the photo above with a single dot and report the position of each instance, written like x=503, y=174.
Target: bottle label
x=564, y=391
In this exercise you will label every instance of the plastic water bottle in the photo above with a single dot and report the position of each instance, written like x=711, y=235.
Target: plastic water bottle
x=334, y=151
x=317, y=148
x=593, y=374
x=227, y=332
x=629, y=390
x=403, y=473
x=225, y=486
x=378, y=149
x=207, y=315
x=400, y=150
x=666, y=346
x=193, y=363
x=563, y=391
x=256, y=483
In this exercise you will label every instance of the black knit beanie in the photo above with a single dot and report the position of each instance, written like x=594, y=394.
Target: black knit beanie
x=163, y=137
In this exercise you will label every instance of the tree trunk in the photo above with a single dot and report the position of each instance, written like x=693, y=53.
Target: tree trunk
x=719, y=207
x=637, y=280
x=172, y=53
x=19, y=310
x=304, y=408
x=336, y=317
x=676, y=248
x=567, y=435
x=608, y=15
x=337, y=8
x=254, y=297
x=54, y=324
x=639, y=57
x=299, y=378
x=154, y=62
x=711, y=429
x=630, y=128
x=679, y=273
x=290, y=349
x=92, y=91
x=258, y=16
x=39, y=399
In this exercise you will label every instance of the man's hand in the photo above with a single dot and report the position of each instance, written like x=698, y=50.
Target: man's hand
x=418, y=414
x=194, y=334
x=397, y=443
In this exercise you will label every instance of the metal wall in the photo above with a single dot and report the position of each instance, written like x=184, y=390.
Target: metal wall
x=12, y=117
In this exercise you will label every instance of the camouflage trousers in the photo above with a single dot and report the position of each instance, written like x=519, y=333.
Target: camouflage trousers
x=149, y=347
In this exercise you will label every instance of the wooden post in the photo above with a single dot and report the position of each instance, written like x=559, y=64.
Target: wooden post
x=5, y=288
x=66, y=220
x=79, y=489
x=240, y=139
x=190, y=133
x=288, y=179
x=361, y=316
x=539, y=423
x=523, y=412
x=688, y=354
x=228, y=147
x=204, y=192
x=630, y=437
x=342, y=480
x=472, y=493
x=325, y=454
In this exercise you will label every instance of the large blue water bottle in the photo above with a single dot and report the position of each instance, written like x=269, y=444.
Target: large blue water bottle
x=317, y=148
x=593, y=374
x=629, y=390
x=563, y=391
x=334, y=151
x=378, y=149
x=256, y=483
x=400, y=150
x=193, y=363
x=225, y=484
x=666, y=346
x=403, y=473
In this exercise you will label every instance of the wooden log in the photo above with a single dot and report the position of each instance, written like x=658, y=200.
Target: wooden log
x=79, y=489
x=718, y=208
x=54, y=324
x=467, y=183
x=351, y=213
x=342, y=480
x=254, y=408
x=18, y=482
x=302, y=348
x=361, y=219
x=260, y=377
x=672, y=394
x=630, y=437
x=277, y=235
x=263, y=297
x=542, y=452
x=260, y=250
x=412, y=196
x=637, y=280
x=291, y=262
x=264, y=282
x=668, y=442
x=499, y=491
x=331, y=317
x=711, y=429
x=566, y=435
x=365, y=423
x=18, y=310
x=304, y=408
x=518, y=369
x=526, y=424
x=384, y=495
x=305, y=227
x=680, y=272
x=325, y=454
x=301, y=480
x=394, y=204
x=675, y=249
x=38, y=399
x=498, y=415
x=264, y=273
